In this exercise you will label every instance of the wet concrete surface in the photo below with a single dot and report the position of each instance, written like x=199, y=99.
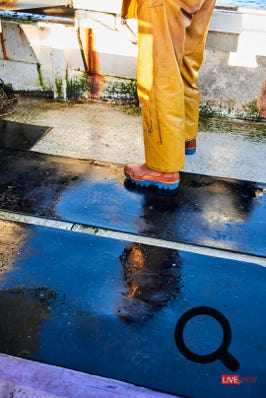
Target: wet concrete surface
x=208, y=211
x=110, y=308
x=249, y=130
x=20, y=135
x=110, y=132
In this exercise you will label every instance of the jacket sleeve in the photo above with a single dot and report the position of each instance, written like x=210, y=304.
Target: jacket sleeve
x=129, y=9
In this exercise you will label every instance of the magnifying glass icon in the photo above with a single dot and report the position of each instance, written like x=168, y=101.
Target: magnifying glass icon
x=222, y=351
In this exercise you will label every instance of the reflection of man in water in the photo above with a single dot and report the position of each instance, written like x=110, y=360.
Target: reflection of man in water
x=152, y=277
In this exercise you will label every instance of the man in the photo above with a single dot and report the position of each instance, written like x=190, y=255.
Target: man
x=171, y=42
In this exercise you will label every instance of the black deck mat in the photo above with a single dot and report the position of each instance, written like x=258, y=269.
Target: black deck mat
x=20, y=135
x=110, y=308
x=208, y=211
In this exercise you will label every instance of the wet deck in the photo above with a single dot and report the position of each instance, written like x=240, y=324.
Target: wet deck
x=207, y=211
x=20, y=135
x=109, y=306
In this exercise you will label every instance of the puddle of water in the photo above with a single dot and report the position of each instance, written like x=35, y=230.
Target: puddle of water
x=248, y=129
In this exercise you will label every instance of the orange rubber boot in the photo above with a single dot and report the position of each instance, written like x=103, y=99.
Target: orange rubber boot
x=142, y=175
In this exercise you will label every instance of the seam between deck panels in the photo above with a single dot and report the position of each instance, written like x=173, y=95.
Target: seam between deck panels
x=108, y=233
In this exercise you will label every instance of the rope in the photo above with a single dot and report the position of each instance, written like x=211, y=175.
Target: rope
x=134, y=37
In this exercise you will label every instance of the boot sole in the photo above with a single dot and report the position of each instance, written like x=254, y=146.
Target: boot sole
x=190, y=151
x=148, y=183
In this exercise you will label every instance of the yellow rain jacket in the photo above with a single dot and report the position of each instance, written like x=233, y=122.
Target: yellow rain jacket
x=171, y=42
x=129, y=9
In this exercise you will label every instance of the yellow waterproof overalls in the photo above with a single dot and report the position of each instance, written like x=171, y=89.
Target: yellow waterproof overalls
x=171, y=41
